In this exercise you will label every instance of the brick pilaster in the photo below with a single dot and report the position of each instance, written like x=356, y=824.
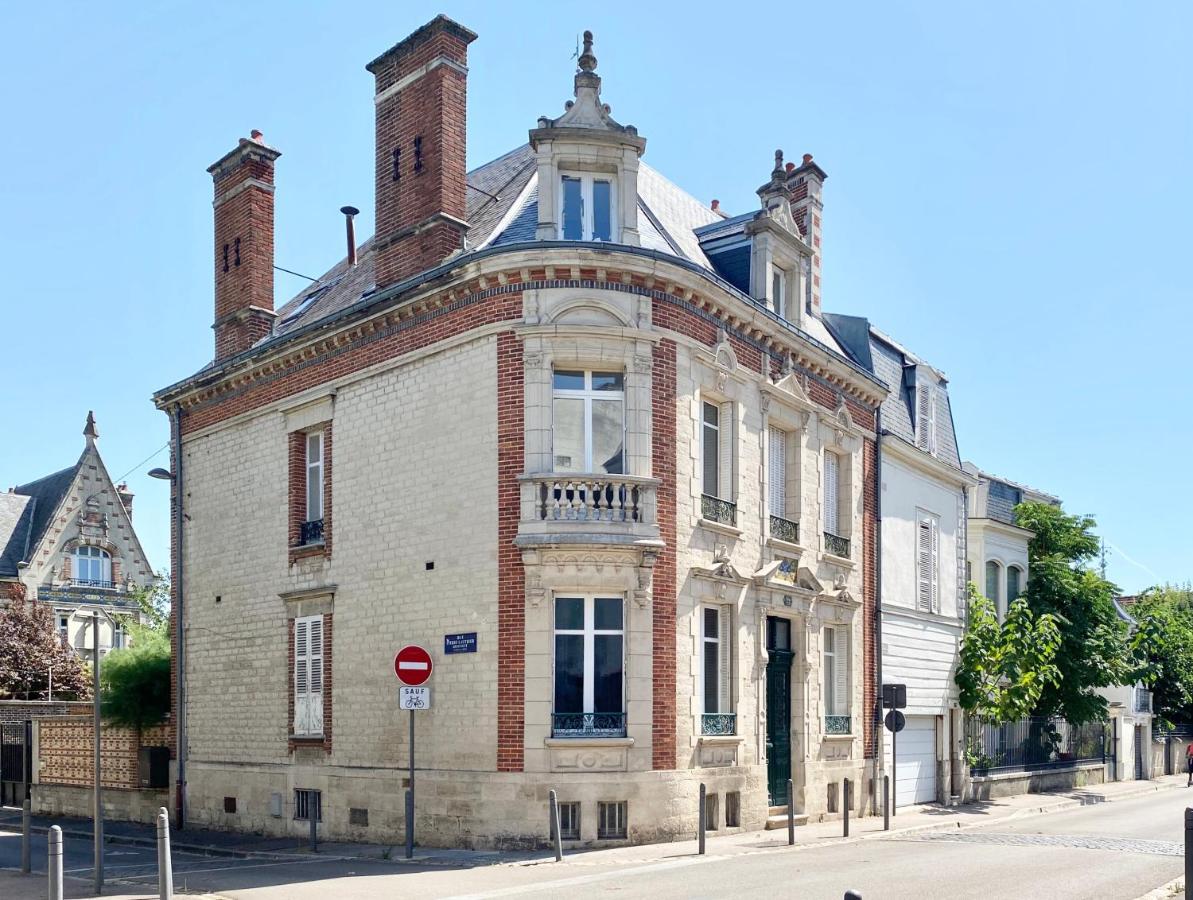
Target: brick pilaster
x=663, y=601
x=511, y=577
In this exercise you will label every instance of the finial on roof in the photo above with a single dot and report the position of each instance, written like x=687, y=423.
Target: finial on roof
x=587, y=61
x=89, y=430
x=778, y=170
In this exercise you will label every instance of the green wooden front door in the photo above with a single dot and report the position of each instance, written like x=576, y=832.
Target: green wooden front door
x=778, y=709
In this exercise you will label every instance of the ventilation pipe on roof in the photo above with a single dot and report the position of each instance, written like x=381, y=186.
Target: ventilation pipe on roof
x=349, y=212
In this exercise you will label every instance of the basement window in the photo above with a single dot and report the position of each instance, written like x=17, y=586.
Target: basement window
x=307, y=801
x=569, y=821
x=611, y=820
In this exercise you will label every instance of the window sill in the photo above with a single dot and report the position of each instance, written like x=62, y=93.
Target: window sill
x=842, y=561
x=720, y=739
x=719, y=527
x=302, y=551
x=838, y=737
x=785, y=546
x=307, y=738
x=588, y=741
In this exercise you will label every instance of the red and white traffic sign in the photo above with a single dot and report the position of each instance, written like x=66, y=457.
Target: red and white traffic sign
x=412, y=665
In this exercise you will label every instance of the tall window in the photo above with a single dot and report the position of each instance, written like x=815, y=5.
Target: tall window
x=717, y=449
x=925, y=428
x=776, y=476
x=832, y=492
x=93, y=567
x=314, y=476
x=308, y=676
x=992, y=579
x=118, y=638
x=716, y=660
x=586, y=208
x=1014, y=577
x=927, y=562
x=589, y=666
x=836, y=672
x=588, y=422
x=778, y=289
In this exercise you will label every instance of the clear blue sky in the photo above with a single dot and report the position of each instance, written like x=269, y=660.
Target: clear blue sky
x=1009, y=195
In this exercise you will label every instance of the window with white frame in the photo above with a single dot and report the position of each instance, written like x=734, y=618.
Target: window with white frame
x=588, y=421
x=586, y=208
x=993, y=573
x=925, y=426
x=716, y=643
x=927, y=535
x=717, y=449
x=118, y=636
x=836, y=676
x=308, y=676
x=778, y=290
x=832, y=492
x=1014, y=584
x=589, y=690
x=64, y=628
x=93, y=567
x=314, y=442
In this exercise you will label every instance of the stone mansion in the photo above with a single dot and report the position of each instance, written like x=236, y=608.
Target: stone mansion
x=554, y=403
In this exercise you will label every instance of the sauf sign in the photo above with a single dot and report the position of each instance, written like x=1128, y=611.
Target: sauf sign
x=413, y=666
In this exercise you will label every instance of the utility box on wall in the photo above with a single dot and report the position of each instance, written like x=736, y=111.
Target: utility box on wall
x=153, y=767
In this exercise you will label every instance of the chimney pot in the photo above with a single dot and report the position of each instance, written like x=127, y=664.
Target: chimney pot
x=257, y=136
x=790, y=167
x=807, y=158
x=716, y=204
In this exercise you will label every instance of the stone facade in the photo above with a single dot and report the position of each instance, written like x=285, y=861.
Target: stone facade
x=453, y=514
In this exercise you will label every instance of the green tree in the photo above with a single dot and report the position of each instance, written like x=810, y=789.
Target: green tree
x=1095, y=650
x=32, y=652
x=135, y=681
x=1164, y=638
x=154, y=602
x=1004, y=668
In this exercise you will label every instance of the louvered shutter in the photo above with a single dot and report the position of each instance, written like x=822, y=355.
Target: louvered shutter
x=841, y=675
x=728, y=433
x=921, y=417
x=924, y=573
x=832, y=477
x=935, y=565
x=777, y=476
x=302, y=681
x=830, y=669
x=315, y=703
x=725, y=648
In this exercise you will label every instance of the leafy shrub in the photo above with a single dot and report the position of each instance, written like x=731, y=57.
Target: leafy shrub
x=135, y=681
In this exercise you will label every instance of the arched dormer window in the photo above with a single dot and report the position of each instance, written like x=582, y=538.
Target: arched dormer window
x=92, y=567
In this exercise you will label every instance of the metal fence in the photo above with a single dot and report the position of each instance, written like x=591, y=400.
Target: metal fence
x=1033, y=744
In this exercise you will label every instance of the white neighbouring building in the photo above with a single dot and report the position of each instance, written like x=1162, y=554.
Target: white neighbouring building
x=922, y=545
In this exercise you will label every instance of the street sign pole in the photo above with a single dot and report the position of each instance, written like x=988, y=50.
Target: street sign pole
x=410, y=796
x=894, y=770
x=413, y=666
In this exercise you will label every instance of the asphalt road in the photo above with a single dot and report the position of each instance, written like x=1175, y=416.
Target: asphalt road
x=1110, y=851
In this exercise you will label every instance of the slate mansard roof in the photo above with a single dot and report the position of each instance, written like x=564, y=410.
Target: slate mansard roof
x=25, y=515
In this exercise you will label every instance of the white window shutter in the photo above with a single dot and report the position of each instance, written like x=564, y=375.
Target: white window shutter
x=830, y=669
x=935, y=560
x=777, y=474
x=725, y=648
x=841, y=675
x=925, y=577
x=922, y=401
x=315, y=704
x=832, y=476
x=727, y=436
x=302, y=681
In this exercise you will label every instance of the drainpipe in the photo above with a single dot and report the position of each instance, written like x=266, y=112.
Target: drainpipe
x=880, y=749
x=180, y=610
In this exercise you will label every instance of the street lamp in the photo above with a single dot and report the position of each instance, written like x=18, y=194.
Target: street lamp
x=163, y=474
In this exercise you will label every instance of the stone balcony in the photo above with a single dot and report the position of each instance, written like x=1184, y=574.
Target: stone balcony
x=588, y=509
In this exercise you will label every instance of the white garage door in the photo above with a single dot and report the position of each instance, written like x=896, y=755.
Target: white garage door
x=916, y=772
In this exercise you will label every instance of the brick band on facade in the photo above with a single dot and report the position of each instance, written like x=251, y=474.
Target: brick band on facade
x=663, y=600
x=511, y=577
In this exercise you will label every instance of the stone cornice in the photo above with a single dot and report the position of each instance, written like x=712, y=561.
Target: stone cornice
x=930, y=465
x=517, y=268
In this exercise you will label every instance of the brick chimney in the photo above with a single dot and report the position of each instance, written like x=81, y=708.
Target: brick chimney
x=126, y=497
x=421, y=107
x=806, y=183
x=243, y=245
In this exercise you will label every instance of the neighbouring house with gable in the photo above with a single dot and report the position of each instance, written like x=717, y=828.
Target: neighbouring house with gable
x=67, y=540
x=923, y=534
x=583, y=437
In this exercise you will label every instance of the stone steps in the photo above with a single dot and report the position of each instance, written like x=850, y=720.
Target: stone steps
x=777, y=818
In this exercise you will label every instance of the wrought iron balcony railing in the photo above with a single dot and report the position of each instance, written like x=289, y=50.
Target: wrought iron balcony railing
x=93, y=583
x=784, y=529
x=577, y=725
x=837, y=725
x=836, y=545
x=714, y=509
x=718, y=723
x=311, y=532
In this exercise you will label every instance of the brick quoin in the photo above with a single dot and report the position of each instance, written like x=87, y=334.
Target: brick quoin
x=511, y=577
x=663, y=601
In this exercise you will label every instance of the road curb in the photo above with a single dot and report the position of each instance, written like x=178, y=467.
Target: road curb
x=1166, y=891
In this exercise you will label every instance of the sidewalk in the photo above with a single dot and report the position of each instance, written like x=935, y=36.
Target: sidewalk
x=908, y=819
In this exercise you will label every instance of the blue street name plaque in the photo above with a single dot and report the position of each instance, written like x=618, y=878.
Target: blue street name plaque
x=459, y=643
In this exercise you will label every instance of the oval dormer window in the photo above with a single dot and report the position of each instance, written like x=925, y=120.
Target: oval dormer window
x=586, y=208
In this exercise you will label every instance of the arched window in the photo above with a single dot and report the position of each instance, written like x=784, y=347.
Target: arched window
x=992, y=580
x=93, y=567
x=1014, y=584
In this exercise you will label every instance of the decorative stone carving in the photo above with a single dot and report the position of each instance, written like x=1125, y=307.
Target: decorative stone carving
x=532, y=359
x=712, y=754
x=588, y=759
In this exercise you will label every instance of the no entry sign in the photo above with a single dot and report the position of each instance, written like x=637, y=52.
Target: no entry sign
x=412, y=665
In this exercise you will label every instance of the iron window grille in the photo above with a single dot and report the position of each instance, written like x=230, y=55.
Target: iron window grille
x=784, y=529
x=611, y=820
x=718, y=723
x=306, y=800
x=588, y=724
x=714, y=509
x=93, y=583
x=569, y=821
x=836, y=545
x=837, y=725
x=311, y=532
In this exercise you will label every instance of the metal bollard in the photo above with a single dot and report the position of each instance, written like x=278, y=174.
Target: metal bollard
x=409, y=824
x=165, y=864
x=790, y=812
x=852, y=895
x=54, y=867
x=314, y=822
x=701, y=818
x=556, y=837
x=886, y=802
x=25, y=866
x=1188, y=845
x=845, y=803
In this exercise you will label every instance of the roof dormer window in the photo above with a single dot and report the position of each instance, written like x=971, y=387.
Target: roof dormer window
x=586, y=208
